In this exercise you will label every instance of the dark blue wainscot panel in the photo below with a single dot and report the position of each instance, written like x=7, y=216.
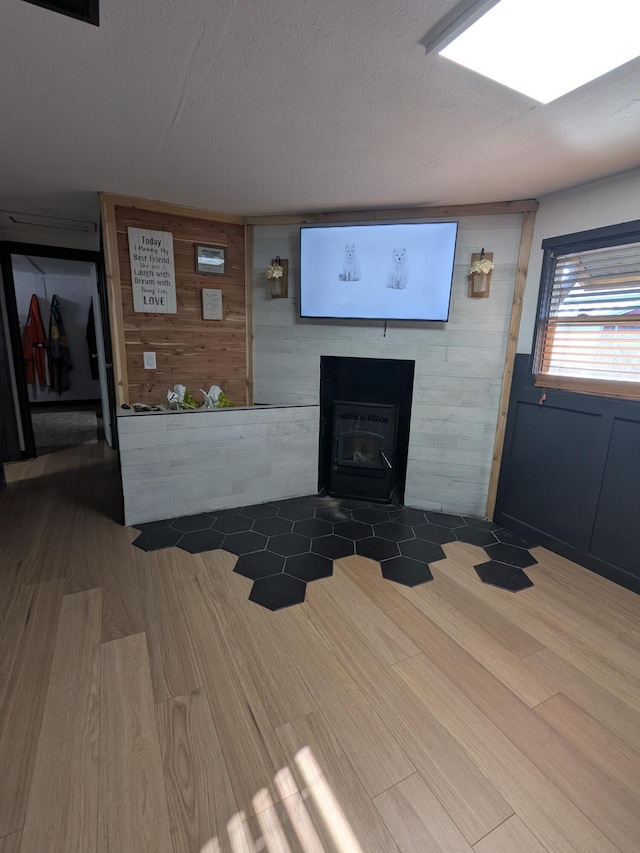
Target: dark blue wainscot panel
x=616, y=532
x=552, y=481
x=570, y=476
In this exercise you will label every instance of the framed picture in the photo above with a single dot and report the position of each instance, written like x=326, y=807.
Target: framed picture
x=210, y=260
x=211, y=304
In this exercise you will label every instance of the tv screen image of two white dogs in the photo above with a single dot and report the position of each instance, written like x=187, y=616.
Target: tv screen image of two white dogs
x=400, y=271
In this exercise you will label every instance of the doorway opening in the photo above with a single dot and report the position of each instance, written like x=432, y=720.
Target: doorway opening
x=60, y=377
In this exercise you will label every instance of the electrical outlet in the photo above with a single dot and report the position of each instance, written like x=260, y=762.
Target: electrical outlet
x=149, y=360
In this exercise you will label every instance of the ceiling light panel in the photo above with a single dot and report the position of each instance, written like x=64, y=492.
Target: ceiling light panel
x=546, y=48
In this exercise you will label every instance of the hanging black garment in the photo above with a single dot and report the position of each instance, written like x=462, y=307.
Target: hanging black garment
x=59, y=355
x=92, y=344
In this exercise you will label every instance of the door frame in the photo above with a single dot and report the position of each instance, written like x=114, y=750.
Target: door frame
x=9, y=248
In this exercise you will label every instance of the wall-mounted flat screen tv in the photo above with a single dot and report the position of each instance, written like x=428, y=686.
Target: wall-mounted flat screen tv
x=377, y=272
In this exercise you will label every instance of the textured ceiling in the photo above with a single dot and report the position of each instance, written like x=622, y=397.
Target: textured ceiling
x=286, y=106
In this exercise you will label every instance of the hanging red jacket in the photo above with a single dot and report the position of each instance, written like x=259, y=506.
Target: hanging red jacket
x=34, y=345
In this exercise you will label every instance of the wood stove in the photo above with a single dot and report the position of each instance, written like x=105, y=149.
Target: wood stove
x=364, y=450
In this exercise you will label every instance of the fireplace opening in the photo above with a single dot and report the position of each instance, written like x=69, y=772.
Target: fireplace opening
x=365, y=407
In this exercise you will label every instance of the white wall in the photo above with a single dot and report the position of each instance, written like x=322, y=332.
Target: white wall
x=594, y=205
x=74, y=293
x=459, y=364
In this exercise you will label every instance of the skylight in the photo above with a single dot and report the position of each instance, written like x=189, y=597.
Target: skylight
x=546, y=48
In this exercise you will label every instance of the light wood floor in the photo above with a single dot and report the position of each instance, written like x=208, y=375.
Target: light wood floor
x=147, y=705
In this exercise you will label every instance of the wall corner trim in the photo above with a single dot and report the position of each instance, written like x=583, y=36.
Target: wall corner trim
x=524, y=253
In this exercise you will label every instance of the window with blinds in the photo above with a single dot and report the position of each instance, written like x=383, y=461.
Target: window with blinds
x=588, y=335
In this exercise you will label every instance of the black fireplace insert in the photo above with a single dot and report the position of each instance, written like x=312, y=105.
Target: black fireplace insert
x=364, y=443
x=365, y=409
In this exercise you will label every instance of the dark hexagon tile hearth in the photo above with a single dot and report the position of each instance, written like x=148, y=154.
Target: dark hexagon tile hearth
x=408, y=516
x=393, y=531
x=503, y=576
x=225, y=513
x=337, y=513
x=232, y=524
x=152, y=525
x=272, y=526
x=353, y=529
x=508, y=537
x=370, y=516
x=278, y=591
x=419, y=549
x=444, y=519
x=259, y=511
x=481, y=523
x=201, y=540
x=288, y=544
x=312, y=527
x=474, y=536
x=158, y=537
x=283, y=545
x=309, y=567
x=295, y=512
x=259, y=564
x=314, y=501
x=405, y=571
x=510, y=554
x=332, y=546
x=245, y=543
x=377, y=549
x=348, y=503
x=192, y=522
x=434, y=533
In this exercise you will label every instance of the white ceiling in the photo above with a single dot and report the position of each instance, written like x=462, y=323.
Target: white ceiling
x=284, y=106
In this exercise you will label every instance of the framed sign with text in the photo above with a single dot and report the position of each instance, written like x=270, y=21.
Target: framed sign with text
x=153, y=276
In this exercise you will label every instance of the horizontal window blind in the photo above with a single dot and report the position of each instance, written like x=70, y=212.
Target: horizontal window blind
x=589, y=338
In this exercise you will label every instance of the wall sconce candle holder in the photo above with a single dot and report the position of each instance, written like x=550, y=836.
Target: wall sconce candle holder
x=480, y=274
x=278, y=274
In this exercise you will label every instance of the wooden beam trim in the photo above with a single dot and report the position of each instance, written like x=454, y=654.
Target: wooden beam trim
x=114, y=295
x=248, y=277
x=375, y=214
x=524, y=253
x=171, y=209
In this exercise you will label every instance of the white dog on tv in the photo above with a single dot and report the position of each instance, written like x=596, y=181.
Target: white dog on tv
x=398, y=275
x=350, y=267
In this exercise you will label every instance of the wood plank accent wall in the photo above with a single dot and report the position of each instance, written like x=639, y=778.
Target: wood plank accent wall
x=460, y=365
x=189, y=350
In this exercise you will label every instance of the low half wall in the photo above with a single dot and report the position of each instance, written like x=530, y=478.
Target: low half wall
x=181, y=463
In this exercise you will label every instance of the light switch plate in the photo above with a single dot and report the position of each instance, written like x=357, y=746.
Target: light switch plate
x=149, y=360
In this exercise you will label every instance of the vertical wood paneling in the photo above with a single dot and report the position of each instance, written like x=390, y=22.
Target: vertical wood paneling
x=189, y=350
